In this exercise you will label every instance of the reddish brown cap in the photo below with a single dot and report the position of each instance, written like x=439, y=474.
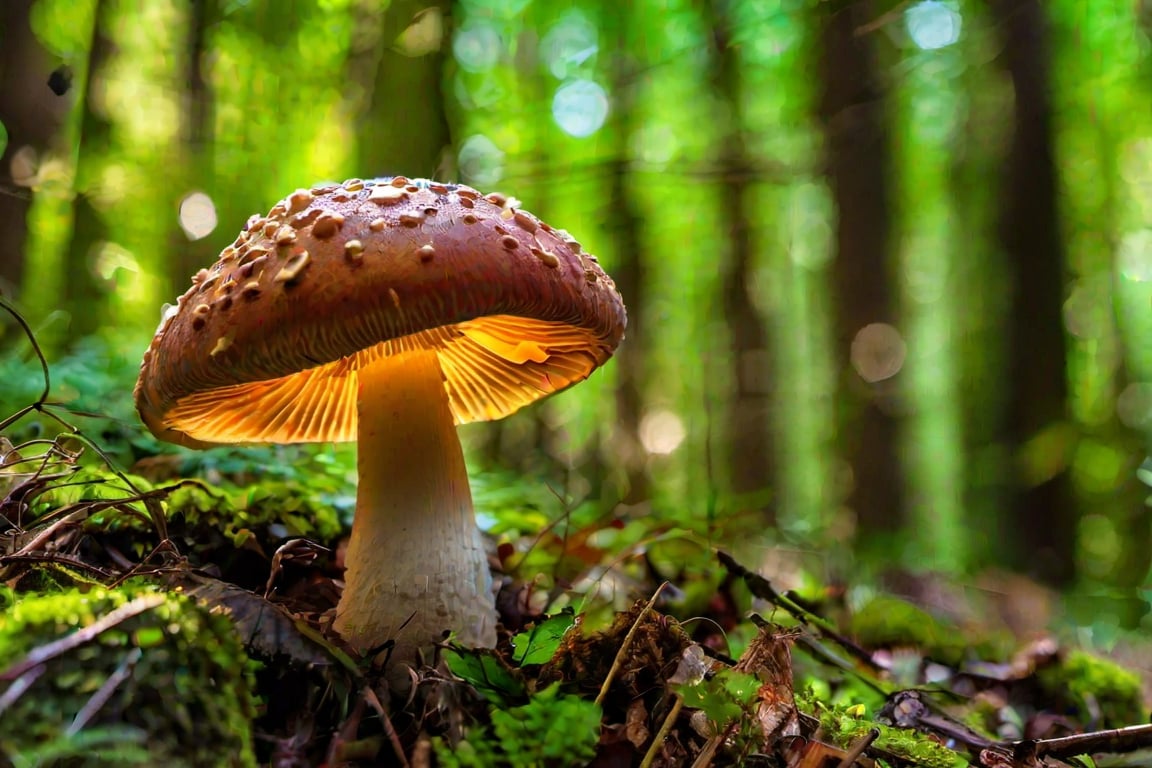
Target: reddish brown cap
x=265, y=345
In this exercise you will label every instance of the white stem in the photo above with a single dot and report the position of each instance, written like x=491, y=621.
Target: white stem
x=415, y=555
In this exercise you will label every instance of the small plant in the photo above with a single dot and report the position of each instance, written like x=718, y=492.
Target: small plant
x=727, y=699
x=553, y=730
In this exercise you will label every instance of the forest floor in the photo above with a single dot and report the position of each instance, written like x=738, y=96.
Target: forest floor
x=150, y=617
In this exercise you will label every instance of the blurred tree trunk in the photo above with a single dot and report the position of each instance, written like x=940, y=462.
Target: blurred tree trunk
x=404, y=126
x=980, y=280
x=84, y=294
x=854, y=116
x=623, y=225
x=31, y=114
x=750, y=457
x=1043, y=527
x=198, y=137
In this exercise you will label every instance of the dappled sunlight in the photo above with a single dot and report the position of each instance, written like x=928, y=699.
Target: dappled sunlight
x=888, y=277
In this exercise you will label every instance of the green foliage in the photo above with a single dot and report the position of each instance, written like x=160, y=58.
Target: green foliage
x=488, y=672
x=552, y=730
x=1090, y=684
x=539, y=644
x=727, y=698
x=94, y=381
x=843, y=726
x=730, y=701
x=500, y=682
x=154, y=666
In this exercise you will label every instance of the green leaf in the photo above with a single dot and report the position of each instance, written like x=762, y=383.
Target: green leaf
x=489, y=674
x=539, y=644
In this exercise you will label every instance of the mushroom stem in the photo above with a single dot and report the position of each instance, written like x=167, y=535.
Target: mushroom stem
x=416, y=564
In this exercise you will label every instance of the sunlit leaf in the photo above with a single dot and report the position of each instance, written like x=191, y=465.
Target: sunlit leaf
x=539, y=644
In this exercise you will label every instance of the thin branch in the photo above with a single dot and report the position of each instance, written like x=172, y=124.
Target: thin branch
x=43, y=653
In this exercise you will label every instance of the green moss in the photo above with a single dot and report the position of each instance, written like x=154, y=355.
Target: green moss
x=194, y=508
x=159, y=677
x=889, y=622
x=1090, y=684
x=843, y=729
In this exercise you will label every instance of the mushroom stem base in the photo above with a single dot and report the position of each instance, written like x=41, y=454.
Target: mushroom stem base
x=416, y=565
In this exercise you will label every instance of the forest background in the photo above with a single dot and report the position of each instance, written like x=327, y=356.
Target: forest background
x=888, y=265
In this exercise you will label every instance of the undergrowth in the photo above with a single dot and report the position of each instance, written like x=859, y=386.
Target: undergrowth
x=142, y=580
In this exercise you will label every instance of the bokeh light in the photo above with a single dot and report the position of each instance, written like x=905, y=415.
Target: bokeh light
x=1134, y=259
x=197, y=215
x=1134, y=405
x=481, y=161
x=569, y=45
x=477, y=47
x=580, y=108
x=932, y=24
x=878, y=352
x=661, y=432
x=108, y=258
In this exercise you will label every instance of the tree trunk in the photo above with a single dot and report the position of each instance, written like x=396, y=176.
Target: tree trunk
x=404, y=124
x=84, y=294
x=623, y=224
x=31, y=114
x=1043, y=522
x=853, y=113
x=199, y=137
x=750, y=459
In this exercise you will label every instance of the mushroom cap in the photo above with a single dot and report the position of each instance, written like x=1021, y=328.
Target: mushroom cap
x=266, y=344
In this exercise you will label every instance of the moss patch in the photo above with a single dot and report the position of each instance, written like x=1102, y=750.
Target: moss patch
x=125, y=667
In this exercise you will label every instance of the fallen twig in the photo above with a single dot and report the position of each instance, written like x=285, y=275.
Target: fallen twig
x=1114, y=740
x=665, y=727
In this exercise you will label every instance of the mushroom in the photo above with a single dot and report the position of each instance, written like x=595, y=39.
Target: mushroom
x=385, y=312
